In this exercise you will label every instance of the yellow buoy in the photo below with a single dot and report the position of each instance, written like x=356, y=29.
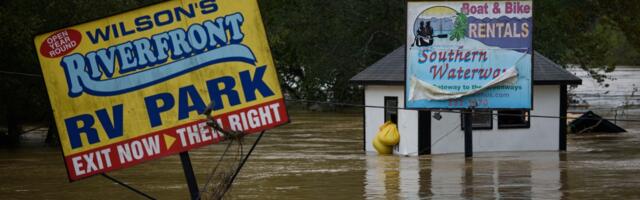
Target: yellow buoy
x=381, y=148
x=386, y=138
x=388, y=134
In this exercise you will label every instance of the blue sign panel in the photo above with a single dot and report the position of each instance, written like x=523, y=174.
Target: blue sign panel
x=462, y=54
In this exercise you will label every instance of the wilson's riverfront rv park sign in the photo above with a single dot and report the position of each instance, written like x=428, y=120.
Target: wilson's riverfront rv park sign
x=461, y=53
x=131, y=87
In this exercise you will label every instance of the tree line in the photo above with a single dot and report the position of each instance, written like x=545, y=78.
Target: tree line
x=318, y=45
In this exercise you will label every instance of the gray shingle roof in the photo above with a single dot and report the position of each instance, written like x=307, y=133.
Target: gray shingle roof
x=390, y=71
x=546, y=71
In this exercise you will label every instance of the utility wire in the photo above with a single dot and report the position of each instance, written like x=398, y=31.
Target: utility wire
x=445, y=111
x=246, y=157
x=382, y=107
x=127, y=186
x=213, y=172
x=233, y=135
x=445, y=135
x=20, y=74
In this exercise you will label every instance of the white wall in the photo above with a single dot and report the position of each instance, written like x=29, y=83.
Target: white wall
x=374, y=117
x=448, y=137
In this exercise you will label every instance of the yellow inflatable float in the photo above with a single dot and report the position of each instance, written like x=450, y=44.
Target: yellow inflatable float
x=386, y=138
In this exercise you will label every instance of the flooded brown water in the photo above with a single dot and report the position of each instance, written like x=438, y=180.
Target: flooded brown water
x=319, y=156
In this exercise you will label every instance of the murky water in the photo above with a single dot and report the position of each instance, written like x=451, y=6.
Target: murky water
x=621, y=88
x=319, y=156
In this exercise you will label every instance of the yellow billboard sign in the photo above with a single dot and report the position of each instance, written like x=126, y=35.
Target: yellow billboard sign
x=130, y=87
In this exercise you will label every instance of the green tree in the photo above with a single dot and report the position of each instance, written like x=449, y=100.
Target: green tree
x=319, y=45
x=23, y=97
x=591, y=34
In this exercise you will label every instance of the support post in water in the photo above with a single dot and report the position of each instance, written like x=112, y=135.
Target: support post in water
x=468, y=138
x=189, y=175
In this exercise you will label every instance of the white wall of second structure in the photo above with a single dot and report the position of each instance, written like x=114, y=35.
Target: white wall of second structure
x=446, y=134
x=374, y=117
x=448, y=137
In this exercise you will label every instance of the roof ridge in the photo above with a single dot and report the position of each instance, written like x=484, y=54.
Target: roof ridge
x=551, y=61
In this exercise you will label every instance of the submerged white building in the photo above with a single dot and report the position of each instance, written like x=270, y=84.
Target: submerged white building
x=435, y=132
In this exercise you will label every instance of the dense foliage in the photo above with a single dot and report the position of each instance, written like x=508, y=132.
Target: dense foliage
x=318, y=45
x=593, y=34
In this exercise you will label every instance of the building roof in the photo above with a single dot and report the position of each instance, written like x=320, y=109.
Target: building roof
x=390, y=71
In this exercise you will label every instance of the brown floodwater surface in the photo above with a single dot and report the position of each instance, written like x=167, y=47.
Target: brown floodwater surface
x=320, y=156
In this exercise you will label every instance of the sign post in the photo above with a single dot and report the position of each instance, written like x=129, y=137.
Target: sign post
x=468, y=137
x=467, y=55
x=130, y=88
x=189, y=175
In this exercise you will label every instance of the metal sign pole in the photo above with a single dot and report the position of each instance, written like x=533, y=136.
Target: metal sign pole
x=189, y=175
x=468, y=139
x=468, y=129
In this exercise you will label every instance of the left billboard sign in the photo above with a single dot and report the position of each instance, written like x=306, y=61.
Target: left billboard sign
x=130, y=87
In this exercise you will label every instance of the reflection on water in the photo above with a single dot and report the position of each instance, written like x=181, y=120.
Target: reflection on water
x=319, y=156
x=488, y=175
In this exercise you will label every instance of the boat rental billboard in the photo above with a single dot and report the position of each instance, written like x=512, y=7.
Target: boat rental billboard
x=469, y=53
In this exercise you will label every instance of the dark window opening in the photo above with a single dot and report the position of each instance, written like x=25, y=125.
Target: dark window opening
x=482, y=119
x=391, y=109
x=514, y=119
